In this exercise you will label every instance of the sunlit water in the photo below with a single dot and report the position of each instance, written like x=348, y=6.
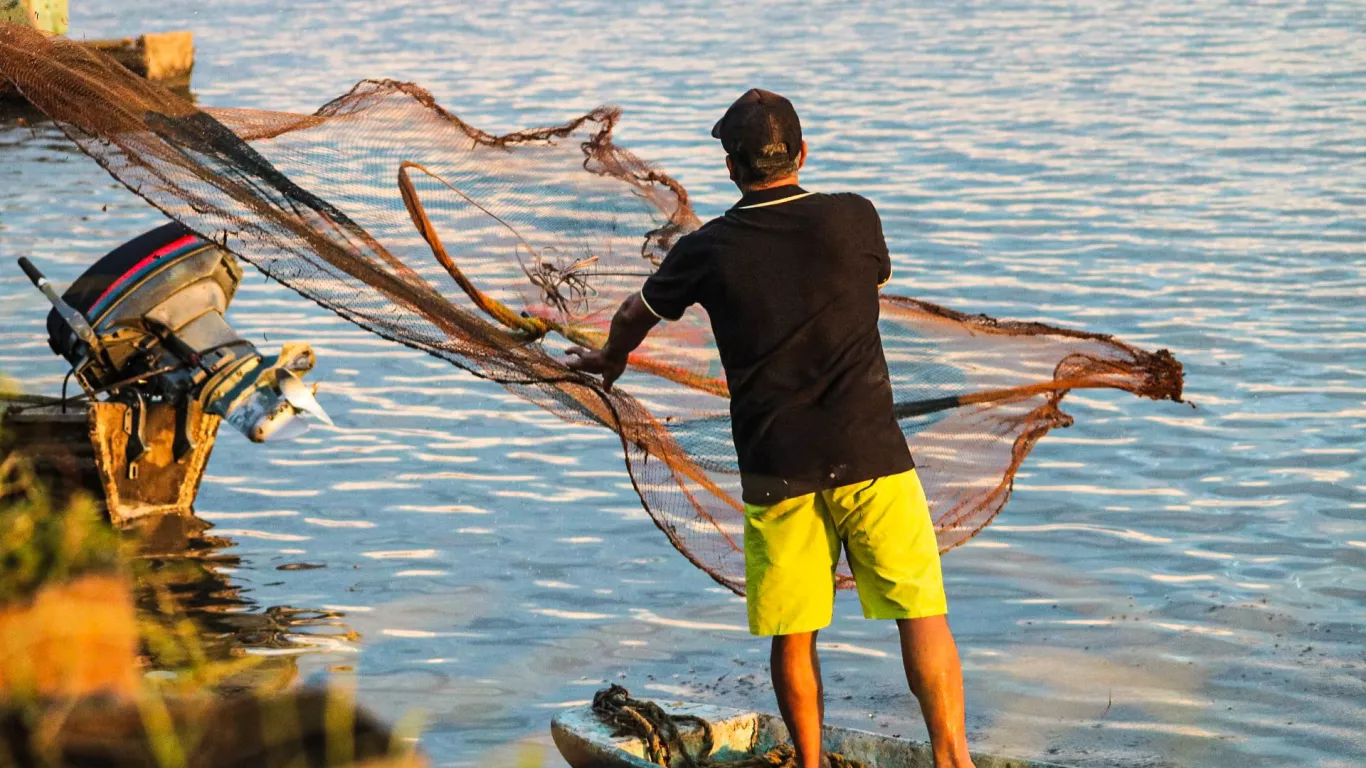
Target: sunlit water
x=1167, y=586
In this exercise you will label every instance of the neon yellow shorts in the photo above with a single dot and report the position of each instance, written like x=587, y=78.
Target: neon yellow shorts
x=793, y=547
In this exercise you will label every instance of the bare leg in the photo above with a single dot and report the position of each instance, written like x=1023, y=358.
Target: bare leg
x=936, y=678
x=796, y=671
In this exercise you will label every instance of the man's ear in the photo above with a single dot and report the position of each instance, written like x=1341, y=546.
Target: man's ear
x=801, y=159
x=730, y=166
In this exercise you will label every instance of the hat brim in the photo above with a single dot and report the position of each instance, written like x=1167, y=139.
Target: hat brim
x=716, y=129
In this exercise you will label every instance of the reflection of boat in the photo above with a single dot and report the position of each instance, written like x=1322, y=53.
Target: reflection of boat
x=587, y=742
x=182, y=574
x=78, y=636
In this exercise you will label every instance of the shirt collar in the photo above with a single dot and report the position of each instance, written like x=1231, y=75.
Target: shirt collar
x=770, y=195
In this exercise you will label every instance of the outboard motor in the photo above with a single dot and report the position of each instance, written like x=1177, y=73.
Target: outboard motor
x=146, y=322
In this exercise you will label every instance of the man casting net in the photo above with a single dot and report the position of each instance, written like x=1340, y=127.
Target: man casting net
x=496, y=252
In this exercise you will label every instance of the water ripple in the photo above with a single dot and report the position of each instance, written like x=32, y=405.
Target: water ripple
x=1167, y=586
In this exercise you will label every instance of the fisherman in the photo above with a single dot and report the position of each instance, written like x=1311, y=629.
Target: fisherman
x=790, y=280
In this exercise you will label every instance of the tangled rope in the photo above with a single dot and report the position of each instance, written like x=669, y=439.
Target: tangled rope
x=658, y=730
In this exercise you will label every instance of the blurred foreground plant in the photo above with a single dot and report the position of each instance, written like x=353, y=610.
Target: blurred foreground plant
x=40, y=546
x=73, y=687
x=67, y=626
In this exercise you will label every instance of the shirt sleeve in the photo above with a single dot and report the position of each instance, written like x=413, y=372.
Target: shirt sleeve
x=675, y=286
x=879, y=246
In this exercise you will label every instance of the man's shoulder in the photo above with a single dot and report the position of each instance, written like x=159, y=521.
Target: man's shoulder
x=837, y=214
x=851, y=202
x=695, y=244
x=709, y=229
x=703, y=235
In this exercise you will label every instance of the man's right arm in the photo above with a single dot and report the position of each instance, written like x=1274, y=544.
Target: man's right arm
x=671, y=290
x=630, y=325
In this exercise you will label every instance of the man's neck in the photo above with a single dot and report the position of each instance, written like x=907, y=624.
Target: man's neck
x=786, y=181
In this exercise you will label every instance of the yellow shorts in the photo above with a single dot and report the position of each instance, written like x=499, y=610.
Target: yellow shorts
x=793, y=547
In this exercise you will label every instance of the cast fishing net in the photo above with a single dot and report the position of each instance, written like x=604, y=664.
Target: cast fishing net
x=493, y=252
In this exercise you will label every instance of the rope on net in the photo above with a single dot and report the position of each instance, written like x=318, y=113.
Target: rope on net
x=659, y=732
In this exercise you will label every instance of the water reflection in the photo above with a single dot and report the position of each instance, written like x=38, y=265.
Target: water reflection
x=183, y=573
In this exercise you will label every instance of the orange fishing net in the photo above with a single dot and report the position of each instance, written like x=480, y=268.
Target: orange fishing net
x=493, y=252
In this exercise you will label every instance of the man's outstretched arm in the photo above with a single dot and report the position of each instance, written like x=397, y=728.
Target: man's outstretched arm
x=630, y=325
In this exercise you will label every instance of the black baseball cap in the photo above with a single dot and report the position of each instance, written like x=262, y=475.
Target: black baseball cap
x=760, y=126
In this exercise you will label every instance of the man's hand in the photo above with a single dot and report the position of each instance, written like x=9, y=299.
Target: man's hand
x=629, y=325
x=597, y=361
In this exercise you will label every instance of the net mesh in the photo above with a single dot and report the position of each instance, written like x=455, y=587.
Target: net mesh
x=494, y=252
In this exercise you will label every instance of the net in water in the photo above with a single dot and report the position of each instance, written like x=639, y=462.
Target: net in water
x=494, y=252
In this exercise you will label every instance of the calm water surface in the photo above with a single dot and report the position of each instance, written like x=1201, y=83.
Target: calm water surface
x=1168, y=586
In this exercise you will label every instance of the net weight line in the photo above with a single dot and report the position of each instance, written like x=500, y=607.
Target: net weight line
x=911, y=408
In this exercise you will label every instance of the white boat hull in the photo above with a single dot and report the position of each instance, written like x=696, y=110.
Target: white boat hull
x=585, y=742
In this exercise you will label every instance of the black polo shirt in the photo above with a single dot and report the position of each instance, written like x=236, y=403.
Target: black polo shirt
x=790, y=281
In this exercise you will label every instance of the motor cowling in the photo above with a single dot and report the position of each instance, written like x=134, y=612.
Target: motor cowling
x=157, y=307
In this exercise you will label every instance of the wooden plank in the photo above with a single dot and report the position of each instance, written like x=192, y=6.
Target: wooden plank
x=167, y=57
x=164, y=57
x=50, y=16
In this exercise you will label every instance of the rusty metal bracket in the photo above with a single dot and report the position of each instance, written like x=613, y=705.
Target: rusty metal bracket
x=135, y=425
x=184, y=443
